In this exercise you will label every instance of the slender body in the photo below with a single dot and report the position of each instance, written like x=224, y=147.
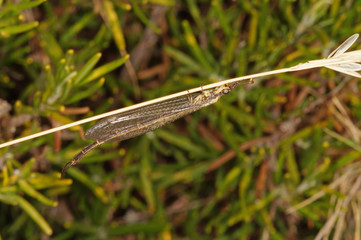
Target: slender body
x=148, y=118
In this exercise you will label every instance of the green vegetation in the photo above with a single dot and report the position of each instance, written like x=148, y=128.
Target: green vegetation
x=279, y=159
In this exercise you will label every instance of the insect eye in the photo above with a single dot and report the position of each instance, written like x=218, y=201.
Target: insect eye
x=226, y=90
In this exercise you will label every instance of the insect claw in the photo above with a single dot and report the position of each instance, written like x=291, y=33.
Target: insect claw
x=67, y=166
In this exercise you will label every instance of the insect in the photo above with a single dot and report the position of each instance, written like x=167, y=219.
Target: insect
x=147, y=118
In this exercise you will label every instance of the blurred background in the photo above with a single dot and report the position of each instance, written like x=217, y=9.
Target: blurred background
x=278, y=159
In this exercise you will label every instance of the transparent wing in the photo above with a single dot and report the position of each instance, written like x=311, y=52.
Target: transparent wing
x=126, y=125
x=147, y=118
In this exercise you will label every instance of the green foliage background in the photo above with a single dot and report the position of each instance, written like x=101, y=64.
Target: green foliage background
x=231, y=171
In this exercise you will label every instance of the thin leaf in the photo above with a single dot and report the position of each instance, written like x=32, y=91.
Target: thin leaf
x=29, y=190
x=104, y=69
x=34, y=214
x=19, y=7
x=6, y=32
x=86, y=69
x=114, y=25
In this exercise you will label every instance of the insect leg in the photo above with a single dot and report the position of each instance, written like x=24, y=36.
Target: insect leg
x=80, y=155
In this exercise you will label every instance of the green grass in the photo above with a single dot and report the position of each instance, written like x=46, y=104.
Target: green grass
x=279, y=159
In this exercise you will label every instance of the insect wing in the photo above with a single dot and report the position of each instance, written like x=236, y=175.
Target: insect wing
x=130, y=121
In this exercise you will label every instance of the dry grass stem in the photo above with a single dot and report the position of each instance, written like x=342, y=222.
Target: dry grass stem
x=339, y=60
x=342, y=116
x=349, y=185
